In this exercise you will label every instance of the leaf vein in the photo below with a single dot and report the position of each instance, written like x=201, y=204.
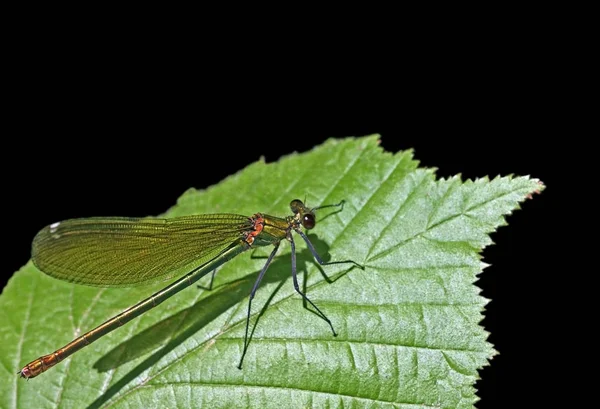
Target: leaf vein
x=437, y=204
x=355, y=342
x=364, y=208
x=478, y=205
x=398, y=211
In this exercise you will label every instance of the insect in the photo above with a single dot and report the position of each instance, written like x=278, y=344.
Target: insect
x=118, y=252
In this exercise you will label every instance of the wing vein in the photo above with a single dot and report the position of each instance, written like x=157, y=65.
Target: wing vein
x=117, y=251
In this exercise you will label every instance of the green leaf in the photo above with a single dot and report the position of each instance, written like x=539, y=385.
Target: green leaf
x=408, y=325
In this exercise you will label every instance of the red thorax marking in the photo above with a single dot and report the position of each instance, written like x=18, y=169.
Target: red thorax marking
x=258, y=221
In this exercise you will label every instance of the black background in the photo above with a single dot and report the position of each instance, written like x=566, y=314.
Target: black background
x=89, y=140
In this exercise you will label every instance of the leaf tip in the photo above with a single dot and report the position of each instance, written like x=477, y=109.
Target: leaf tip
x=539, y=188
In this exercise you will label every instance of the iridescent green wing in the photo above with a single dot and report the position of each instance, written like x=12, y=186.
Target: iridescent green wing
x=115, y=251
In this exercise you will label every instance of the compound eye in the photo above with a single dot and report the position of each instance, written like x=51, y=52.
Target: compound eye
x=308, y=221
x=296, y=205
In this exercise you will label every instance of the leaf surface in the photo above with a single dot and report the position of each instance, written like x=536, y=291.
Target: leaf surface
x=408, y=325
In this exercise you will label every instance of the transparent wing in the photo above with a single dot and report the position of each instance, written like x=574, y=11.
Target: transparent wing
x=115, y=251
